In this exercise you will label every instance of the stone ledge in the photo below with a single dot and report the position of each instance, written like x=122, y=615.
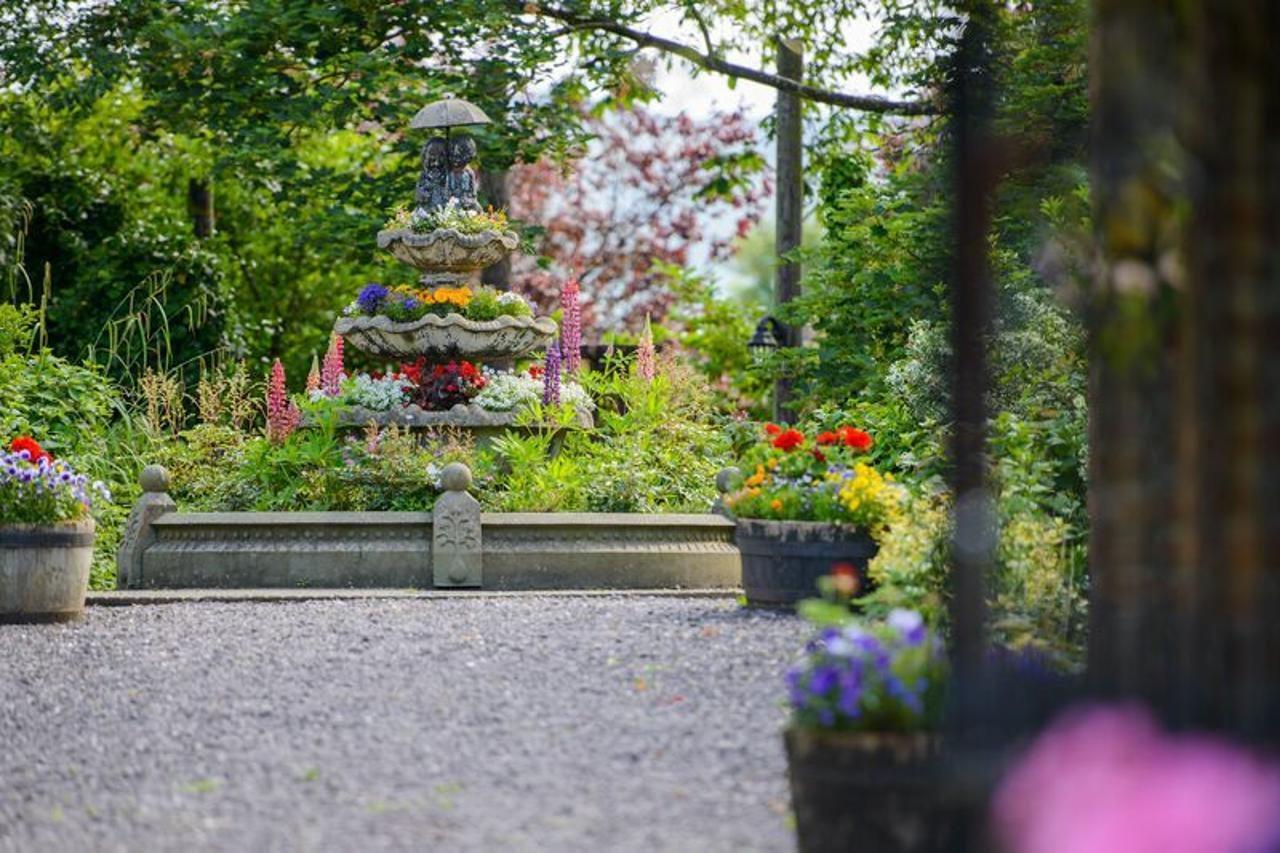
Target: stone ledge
x=129, y=597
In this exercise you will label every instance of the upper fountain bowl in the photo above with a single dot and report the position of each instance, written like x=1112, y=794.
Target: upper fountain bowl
x=446, y=256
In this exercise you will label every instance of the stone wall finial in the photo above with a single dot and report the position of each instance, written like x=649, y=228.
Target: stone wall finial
x=138, y=535
x=456, y=547
x=728, y=480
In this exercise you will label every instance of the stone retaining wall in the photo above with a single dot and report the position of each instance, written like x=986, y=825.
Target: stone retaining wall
x=454, y=546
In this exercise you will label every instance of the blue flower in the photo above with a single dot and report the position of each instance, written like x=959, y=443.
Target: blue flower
x=371, y=297
x=823, y=679
x=909, y=625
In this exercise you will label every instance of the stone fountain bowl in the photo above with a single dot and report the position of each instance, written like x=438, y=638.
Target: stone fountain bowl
x=451, y=336
x=447, y=256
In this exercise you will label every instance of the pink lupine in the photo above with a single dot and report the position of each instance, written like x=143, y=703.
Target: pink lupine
x=313, y=377
x=571, y=326
x=331, y=372
x=551, y=376
x=646, y=356
x=283, y=416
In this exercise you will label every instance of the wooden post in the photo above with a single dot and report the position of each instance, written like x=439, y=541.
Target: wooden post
x=790, y=210
x=1185, y=363
x=200, y=207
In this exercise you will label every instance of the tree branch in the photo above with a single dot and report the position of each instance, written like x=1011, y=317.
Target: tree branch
x=867, y=103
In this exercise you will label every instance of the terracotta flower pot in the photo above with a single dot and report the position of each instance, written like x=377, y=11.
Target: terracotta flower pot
x=866, y=791
x=782, y=560
x=44, y=570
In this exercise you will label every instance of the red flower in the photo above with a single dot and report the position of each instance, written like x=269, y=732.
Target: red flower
x=855, y=438
x=413, y=372
x=825, y=438
x=29, y=444
x=789, y=440
x=819, y=455
x=772, y=429
x=535, y=370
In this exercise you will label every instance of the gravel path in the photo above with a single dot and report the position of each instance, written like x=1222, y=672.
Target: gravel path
x=504, y=723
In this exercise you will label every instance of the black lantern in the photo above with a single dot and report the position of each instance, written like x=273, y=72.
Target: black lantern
x=767, y=338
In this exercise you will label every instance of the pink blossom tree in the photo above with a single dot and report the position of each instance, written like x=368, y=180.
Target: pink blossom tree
x=652, y=192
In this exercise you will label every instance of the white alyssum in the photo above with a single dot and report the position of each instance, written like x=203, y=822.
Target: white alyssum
x=377, y=395
x=505, y=392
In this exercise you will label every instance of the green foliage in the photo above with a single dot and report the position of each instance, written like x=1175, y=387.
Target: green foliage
x=714, y=331
x=17, y=328
x=64, y=406
x=910, y=569
x=881, y=265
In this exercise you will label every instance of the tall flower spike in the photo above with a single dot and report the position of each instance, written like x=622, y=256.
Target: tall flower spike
x=551, y=376
x=283, y=416
x=646, y=357
x=331, y=372
x=571, y=326
x=313, y=377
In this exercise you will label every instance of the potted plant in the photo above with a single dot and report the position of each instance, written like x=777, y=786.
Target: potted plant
x=862, y=748
x=46, y=534
x=810, y=504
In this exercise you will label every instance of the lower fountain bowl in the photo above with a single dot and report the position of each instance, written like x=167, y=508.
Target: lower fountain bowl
x=451, y=336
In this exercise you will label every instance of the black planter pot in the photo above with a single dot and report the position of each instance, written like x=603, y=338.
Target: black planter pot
x=782, y=560
x=866, y=791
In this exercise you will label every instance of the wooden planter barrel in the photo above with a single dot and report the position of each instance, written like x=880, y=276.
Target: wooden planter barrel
x=44, y=570
x=866, y=791
x=782, y=560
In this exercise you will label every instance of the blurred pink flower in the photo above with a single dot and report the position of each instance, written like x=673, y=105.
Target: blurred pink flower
x=1105, y=779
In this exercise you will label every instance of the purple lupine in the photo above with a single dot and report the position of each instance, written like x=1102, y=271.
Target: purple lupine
x=571, y=326
x=551, y=376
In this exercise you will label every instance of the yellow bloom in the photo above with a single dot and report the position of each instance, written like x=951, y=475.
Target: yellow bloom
x=757, y=478
x=775, y=505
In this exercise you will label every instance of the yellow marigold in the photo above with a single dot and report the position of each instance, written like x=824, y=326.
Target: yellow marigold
x=775, y=505
x=459, y=296
x=757, y=478
x=869, y=486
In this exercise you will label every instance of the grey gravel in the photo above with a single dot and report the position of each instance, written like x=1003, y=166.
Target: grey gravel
x=511, y=723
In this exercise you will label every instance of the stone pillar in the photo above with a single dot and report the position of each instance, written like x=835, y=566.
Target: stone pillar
x=456, y=558
x=138, y=535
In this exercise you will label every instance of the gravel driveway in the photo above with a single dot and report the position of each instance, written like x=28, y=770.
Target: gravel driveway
x=485, y=723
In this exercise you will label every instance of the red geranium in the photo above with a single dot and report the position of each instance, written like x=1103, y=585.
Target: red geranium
x=535, y=370
x=772, y=429
x=29, y=444
x=788, y=439
x=825, y=438
x=413, y=372
x=855, y=438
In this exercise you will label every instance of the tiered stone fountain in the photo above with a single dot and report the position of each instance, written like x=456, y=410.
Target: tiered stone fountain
x=447, y=257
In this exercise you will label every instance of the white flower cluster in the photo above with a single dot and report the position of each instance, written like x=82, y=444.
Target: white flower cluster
x=506, y=297
x=377, y=395
x=504, y=392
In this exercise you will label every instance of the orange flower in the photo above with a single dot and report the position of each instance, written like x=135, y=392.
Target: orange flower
x=844, y=579
x=775, y=505
x=772, y=429
x=825, y=438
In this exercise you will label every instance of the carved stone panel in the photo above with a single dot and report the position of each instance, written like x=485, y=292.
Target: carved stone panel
x=456, y=549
